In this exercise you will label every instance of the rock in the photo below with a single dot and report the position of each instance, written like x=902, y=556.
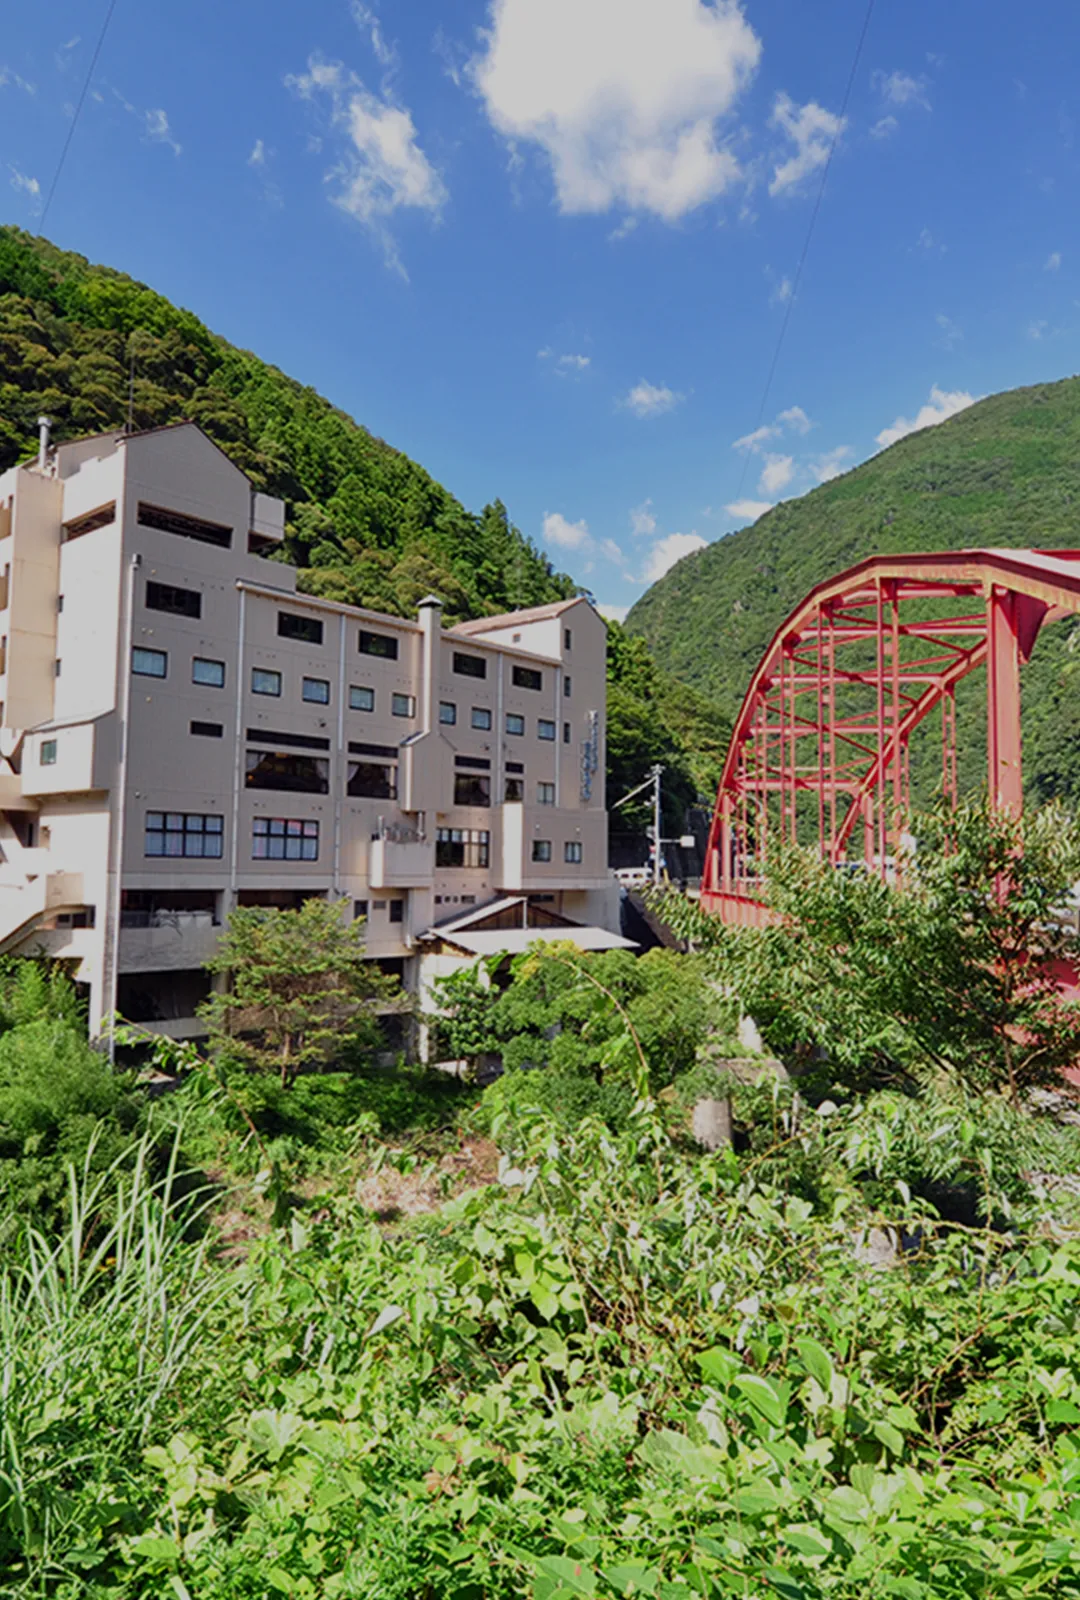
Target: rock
x=711, y=1124
x=876, y=1247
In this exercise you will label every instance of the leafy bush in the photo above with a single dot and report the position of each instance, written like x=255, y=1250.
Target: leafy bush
x=510, y=1103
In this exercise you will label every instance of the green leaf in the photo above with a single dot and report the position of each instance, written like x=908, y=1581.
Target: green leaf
x=568, y=1573
x=387, y=1316
x=764, y=1395
x=631, y=1579
x=158, y=1551
x=815, y=1358
x=719, y=1365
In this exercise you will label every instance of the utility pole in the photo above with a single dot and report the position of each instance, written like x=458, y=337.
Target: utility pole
x=655, y=775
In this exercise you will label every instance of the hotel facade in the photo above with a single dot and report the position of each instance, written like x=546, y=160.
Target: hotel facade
x=183, y=732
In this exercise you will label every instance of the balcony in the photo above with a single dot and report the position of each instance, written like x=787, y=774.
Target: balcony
x=401, y=859
x=155, y=941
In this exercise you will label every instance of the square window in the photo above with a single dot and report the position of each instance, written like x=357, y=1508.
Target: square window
x=383, y=645
x=403, y=705
x=317, y=690
x=545, y=729
x=447, y=712
x=361, y=698
x=541, y=850
x=149, y=663
x=514, y=723
x=481, y=718
x=359, y=909
x=264, y=681
x=572, y=851
x=545, y=794
x=469, y=666
x=209, y=673
x=515, y=791
x=527, y=678
x=309, y=630
x=47, y=753
x=472, y=789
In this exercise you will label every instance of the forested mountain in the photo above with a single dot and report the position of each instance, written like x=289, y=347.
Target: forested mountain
x=366, y=524
x=1006, y=472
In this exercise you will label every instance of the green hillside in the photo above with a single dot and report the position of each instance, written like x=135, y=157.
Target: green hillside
x=366, y=524
x=1004, y=472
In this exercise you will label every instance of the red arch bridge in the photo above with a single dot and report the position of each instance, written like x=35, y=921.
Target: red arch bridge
x=820, y=748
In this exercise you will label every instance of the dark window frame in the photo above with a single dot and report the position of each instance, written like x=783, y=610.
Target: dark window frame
x=266, y=672
x=382, y=646
x=207, y=683
x=469, y=666
x=311, y=699
x=299, y=838
x=297, y=625
x=184, y=526
x=146, y=651
x=173, y=599
x=186, y=827
x=472, y=789
x=286, y=772
x=527, y=678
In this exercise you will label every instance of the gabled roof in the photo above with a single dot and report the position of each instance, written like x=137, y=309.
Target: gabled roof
x=121, y=436
x=513, y=619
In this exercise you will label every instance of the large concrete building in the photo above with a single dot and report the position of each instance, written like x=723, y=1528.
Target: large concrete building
x=183, y=732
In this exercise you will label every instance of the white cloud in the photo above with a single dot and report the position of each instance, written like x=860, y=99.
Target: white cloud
x=884, y=128
x=623, y=97
x=901, y=89
x=157, y=128
x=643, y=520
x=567, y=535
x=781, y=293
x=667, y=551
x=24, y=184
x=1037, y=330
x=257, y=158
x=776, y=474
x=812, y=130
x=651, y=400
x=613, y=613
x=748, y=510
x=382, y=168
x=796, y=419
x=754, y=441
x=941, y=405
x=8, y=76
x=951, y=332
x=368, y=23
x=831, y=464
x=574, y=363
x=793, y=420
x=1053, y=261
x=623, y=231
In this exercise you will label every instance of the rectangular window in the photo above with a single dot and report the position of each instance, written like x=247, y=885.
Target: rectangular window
x=177, y=602
x=47, y=753
x=545, y=794
x=514, y=723
x=478, y=763
x=447, y=712
x=541, y=850
x=383, y=645
x=264, y=681
x=183, y=833
x=469, y=666
x=545, y=729
x=309, y=630
x=462, y=847
x=90, y=521
x=572, y=851
x=209, y=673
x=284, y=839
x=57, y=667
x=149, y=663
x=472, y=789
x=397, y=911
x=286, y=770
x=359, y=909
x=289, y=741
x=403, y=705
x=207, y=730
x=566, y=733
x=317, y=690
x=187, y=527
x=567, y=639
x=361, y=698
x=481, y=718
x=515, y=766
x=567, y=687
x=515, y=790
x=372, y=780
x=527, y=678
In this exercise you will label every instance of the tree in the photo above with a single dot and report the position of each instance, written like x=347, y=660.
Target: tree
x=299, y=991
x=955, y=967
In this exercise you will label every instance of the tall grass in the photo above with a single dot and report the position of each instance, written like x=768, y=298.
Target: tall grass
x=97, y=1331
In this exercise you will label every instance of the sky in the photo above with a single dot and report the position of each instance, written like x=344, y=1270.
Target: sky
x=549, y=247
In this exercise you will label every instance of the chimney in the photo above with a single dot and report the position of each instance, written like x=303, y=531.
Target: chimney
x=430, y=617
x=44, y=425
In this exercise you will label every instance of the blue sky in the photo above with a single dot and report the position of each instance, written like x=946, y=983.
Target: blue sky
x=546, y=246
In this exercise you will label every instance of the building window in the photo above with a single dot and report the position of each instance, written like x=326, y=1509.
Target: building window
x=541, y=850
x=309, y=630
x=264, y=681
x=57, y=667
x=207, y=730
x=472, y=789
x=182, y=833
x=572, y=851
x=372, y=780
x=545, y=729
x=462, y=847
x=469, y=666
x=361, y=699
x=187, y=527
x=149, y=663
x=383, y=645
x=481, y=718
x=359, y=909
x=566, y=733
x=397, y=911
x=515, y=766
x=527, y=678
x=284, y=839
x=514, y=723
x=545, y=794
x=209, y=673
x=567, y=639
x=47, y=753
x=515, y=791
x=403, y=705
x=317, y=690
x=567, y=687
x=286, y=770
x=90, y=521
x=447, y=712
x=177, y=602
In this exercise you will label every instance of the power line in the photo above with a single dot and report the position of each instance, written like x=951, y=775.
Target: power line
x=78, y=112
x=790, y=304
